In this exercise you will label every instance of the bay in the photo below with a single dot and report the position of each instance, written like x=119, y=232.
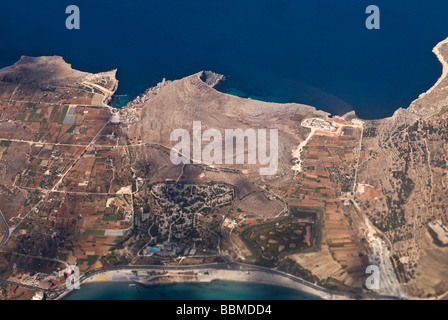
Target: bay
x=215, y=290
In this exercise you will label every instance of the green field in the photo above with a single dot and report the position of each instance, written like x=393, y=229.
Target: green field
x=4, y=143
x=270, y=240
x=90, y=232
x=63, y=114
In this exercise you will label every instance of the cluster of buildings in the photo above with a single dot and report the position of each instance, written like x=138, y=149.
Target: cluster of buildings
x=128, y=115
x=140, y=100
x=319, y=124
x=163, y=249
x=131, y=112
x=168, y=249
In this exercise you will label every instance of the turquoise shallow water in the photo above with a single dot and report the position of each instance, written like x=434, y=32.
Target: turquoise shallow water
x=216, y=290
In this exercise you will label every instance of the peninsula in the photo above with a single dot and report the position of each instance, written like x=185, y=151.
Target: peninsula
x=89, y=185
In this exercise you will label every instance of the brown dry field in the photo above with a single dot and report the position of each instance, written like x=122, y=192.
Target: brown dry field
x=340, y=248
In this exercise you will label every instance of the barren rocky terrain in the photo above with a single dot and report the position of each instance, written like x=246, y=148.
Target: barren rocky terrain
x=411, y=150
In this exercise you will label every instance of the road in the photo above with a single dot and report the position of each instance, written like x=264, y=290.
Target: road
x=329, y=294
x=6, y=227
x=26, y=286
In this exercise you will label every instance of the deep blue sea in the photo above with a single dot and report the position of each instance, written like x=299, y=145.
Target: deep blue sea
x=216, y=290
x=316, y=52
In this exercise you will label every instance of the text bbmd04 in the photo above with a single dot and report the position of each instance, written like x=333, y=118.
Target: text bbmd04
x=225, y=310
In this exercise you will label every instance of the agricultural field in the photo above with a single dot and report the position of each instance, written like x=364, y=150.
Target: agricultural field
x=273, y=239
x=326, y=185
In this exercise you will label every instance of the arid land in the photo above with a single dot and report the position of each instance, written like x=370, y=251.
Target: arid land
x=83, y=183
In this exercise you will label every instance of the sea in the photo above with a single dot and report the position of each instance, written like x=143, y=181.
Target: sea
x=215, y=290
x=315, y=52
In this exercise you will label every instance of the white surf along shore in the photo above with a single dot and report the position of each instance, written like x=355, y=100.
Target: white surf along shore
x=207, y=275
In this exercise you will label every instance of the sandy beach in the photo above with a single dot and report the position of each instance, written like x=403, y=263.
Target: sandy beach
x=153, y=277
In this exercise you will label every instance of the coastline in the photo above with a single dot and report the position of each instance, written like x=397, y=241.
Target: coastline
x=208, y=276
x=436, y=51
x=165, y=275
x=224, y=290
